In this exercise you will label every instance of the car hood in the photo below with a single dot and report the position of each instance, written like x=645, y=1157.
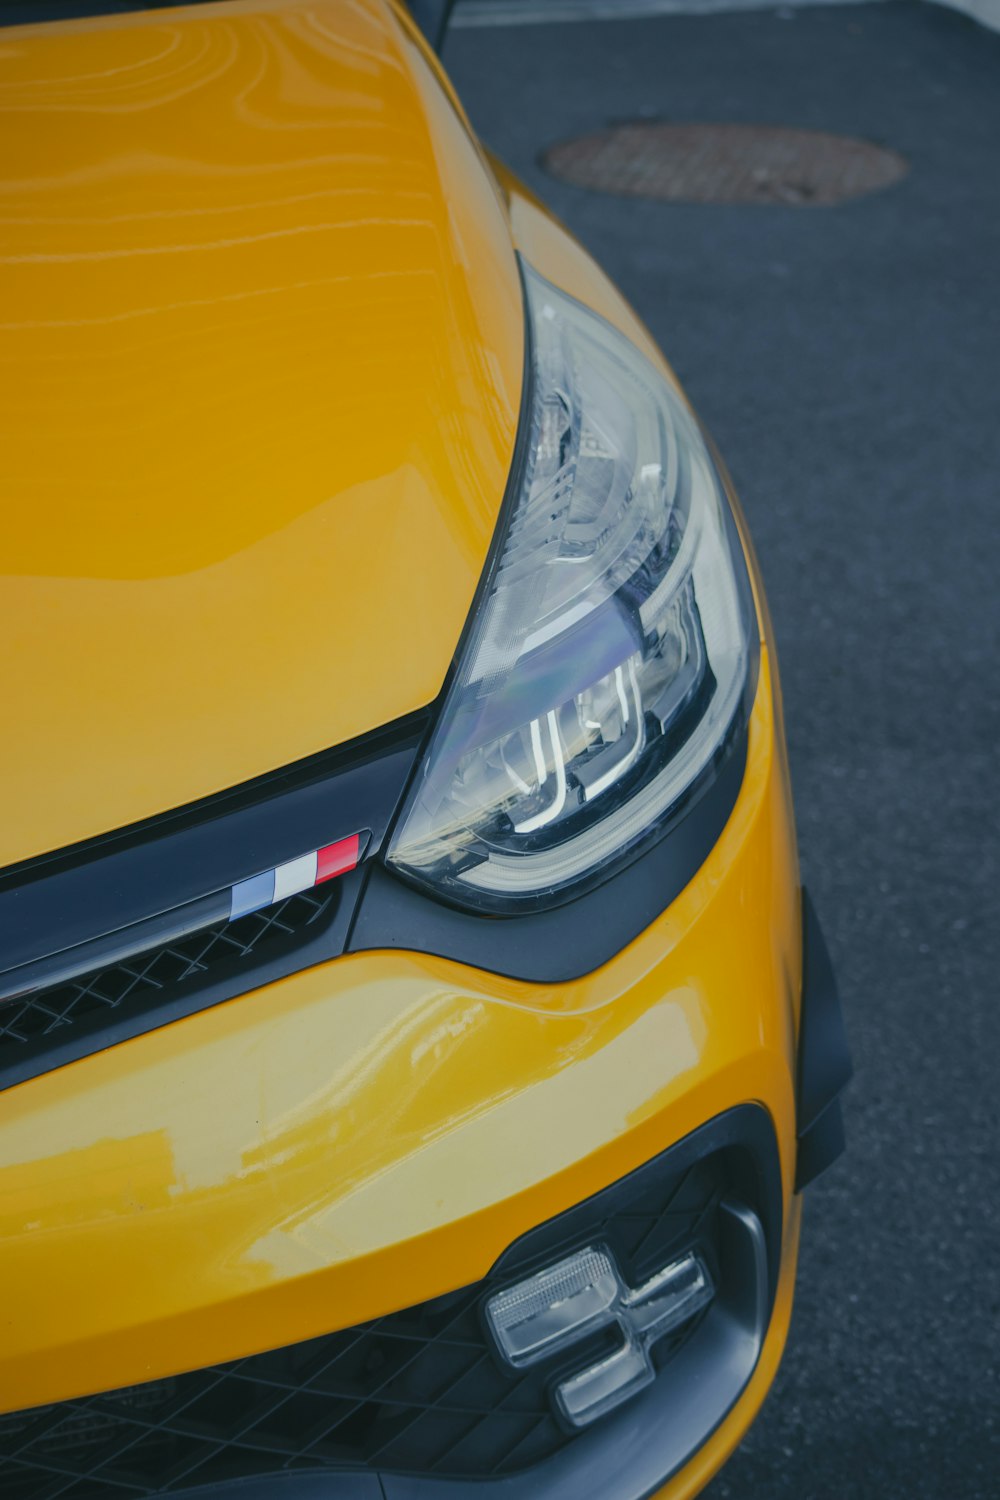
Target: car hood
x=259, y=380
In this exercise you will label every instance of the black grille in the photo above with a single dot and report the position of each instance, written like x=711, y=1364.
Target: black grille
x=417, y=1392
x=85, y=1004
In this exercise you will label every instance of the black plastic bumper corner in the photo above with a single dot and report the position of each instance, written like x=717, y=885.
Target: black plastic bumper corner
x=824, y=1056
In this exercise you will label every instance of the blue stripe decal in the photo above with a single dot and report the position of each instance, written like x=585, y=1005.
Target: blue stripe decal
x=251, y=895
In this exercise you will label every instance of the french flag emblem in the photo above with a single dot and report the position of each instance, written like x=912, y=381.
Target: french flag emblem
x=296, y=875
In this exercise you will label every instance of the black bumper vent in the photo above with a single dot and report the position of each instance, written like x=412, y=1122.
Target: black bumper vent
x=418, y=1392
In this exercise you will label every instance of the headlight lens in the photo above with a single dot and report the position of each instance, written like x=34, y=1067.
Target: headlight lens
x=612, y=651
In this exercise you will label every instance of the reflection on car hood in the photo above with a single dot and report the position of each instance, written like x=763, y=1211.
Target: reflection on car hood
x=261, y=364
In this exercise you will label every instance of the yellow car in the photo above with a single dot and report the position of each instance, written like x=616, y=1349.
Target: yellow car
x=413, y=1040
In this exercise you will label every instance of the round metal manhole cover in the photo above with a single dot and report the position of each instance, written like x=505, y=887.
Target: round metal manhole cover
x=725, y=164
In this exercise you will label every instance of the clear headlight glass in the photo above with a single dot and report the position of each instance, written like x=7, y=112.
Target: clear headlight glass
x=614, y=643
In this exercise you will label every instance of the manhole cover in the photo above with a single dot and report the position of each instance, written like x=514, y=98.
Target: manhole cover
x=725, y=164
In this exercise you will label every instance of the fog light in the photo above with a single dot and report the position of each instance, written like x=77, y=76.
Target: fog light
x=585, y=1397
x=555, y=1307
x=561, y=1305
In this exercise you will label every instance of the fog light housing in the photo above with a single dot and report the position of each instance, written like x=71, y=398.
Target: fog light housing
x=560, y=1306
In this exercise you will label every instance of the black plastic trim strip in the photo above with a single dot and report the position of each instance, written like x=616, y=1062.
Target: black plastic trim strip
x=142, y=872
x=563, y=942
x=824, y=1064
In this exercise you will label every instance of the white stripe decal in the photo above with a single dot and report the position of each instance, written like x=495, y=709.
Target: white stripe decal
x=297, y=875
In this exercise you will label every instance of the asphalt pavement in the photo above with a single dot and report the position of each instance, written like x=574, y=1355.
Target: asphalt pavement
x=847, y=360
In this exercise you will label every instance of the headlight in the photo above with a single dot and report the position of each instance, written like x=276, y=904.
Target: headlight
x=611, y=653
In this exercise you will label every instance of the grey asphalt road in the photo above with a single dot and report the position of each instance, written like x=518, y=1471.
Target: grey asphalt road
x=847, y=360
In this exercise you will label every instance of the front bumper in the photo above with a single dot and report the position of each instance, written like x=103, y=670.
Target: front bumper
x=422, y=1399
x=375, y=1132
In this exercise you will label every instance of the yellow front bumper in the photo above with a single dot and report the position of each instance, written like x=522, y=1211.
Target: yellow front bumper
x=375, y=1131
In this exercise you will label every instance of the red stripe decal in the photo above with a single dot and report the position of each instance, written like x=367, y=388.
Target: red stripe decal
x=337, y=859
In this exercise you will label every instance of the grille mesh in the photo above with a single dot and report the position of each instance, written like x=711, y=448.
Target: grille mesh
x=417, y=1392
x=48, y=1017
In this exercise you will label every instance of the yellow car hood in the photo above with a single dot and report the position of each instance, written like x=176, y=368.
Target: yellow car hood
x=259, y=377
